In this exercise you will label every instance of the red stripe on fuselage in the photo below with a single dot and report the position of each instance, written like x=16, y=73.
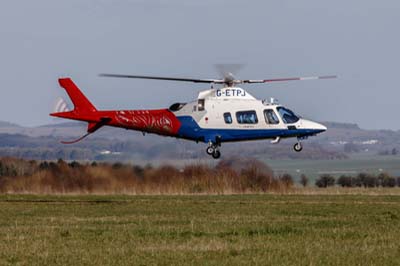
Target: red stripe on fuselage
x=162, y=122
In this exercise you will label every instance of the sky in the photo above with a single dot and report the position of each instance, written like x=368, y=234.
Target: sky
x=357, y=40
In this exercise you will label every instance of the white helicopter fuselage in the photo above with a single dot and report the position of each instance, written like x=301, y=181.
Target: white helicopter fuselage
x=232, y=114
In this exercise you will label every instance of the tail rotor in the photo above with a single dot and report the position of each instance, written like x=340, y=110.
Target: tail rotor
x=61, y=105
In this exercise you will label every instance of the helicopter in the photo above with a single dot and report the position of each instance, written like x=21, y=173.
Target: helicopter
x=225, y=114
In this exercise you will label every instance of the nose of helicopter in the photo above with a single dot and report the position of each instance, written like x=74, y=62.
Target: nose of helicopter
x=314, y=126
x=320, y=127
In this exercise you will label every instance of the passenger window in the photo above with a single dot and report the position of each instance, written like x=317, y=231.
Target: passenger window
x=247, y=117
x=271, y=117
x=200, y=105
x=228, y=118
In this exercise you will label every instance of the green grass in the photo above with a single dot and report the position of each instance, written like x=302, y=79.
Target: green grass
x=200, y=230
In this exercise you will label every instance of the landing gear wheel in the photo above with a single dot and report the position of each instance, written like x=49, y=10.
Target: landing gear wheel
x=210, y=150
x=216, y=154
x=297, y=147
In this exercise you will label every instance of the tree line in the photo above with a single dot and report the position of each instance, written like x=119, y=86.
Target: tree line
x=52, y=177
x=235, y=175
x=366, y=180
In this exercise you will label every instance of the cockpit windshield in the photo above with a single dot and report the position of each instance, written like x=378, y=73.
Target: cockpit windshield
x=287, y=115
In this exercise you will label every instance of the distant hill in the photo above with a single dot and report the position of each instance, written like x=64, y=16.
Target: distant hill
x=4, y=124
x=62, y=125
x=340, y=125
x=350, y=138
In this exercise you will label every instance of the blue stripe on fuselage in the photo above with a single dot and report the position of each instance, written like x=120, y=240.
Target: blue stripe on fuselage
x=190, y=130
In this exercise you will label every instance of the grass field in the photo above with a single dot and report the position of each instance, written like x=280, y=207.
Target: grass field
x=200, y=230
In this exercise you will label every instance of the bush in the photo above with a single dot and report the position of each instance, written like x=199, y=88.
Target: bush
x=138, y=171
x=253, y=174
x=44, y=166
x=74, y=164
x=117, y=165
x=287, y=180
x=345, y=181
x=325, y=181
x=11, y=167
x=304, y=180
x=387, y=180
x=368, y=180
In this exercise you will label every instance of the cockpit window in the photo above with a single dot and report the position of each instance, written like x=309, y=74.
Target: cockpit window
x=176, y=107
x=271, y=117
x=287, y=115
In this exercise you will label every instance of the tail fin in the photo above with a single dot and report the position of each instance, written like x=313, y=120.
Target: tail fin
x=81, y=103
x=84, y=110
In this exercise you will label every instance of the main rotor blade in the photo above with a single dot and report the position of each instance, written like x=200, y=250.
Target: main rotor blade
x=163, y=78
x=288, y=79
